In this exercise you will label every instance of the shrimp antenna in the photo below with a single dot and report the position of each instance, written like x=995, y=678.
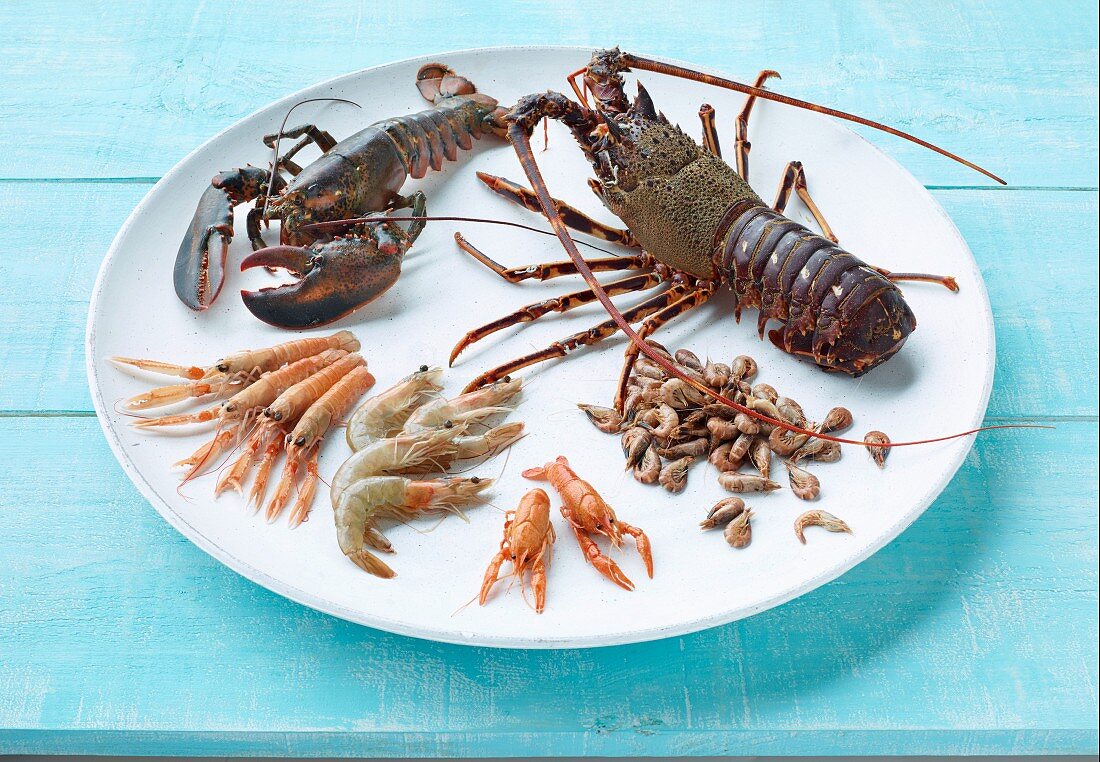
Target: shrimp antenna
x=629, y=61
x=279, y=137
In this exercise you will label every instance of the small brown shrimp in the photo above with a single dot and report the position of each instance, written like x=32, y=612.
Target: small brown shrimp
x=303, y=443
x=237, y=367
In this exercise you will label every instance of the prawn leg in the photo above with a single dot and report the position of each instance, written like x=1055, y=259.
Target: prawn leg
x=236, y=474
x=263, y=473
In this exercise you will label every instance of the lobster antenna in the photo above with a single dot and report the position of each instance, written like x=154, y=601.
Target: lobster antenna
x=383, y=220
x=522, y=144
x=279, y=137
x=648, y=64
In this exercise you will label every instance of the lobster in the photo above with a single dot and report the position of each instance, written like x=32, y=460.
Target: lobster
x=697, y=226
x=359, y=175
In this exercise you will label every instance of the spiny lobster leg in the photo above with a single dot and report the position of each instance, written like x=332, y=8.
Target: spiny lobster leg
x=742, y=145
x=548, y=270
x=794, y=177
x=946, y=281
x=703, y=291
x=563, y=303
x=573, y=218
x=710, y=131
x=593, y=335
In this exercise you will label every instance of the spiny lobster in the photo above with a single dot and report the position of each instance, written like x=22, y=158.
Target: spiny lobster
x=698, y=226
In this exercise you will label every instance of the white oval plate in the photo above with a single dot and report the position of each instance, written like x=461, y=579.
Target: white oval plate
x=938, y=384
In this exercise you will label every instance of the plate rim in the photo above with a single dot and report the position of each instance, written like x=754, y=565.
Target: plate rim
x=458, y=636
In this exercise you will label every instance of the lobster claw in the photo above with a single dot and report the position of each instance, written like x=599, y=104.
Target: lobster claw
x=199, y=271
x=336, y=278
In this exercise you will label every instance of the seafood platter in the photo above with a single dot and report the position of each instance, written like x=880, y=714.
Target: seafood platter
x=542, y=347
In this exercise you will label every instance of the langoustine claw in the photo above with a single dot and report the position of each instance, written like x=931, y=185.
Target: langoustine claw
x=588, y=514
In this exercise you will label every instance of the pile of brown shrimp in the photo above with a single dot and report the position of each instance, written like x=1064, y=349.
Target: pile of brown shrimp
x=667, y=425
x=274, y=400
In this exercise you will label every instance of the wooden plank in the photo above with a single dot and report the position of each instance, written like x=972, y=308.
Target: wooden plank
x=120, y=636
x=128, y=88
x=1047, y=363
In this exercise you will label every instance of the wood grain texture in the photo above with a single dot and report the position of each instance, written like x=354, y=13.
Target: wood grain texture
x=1041, y=353
x=121, y=629
x=106, y=89
x=973, y=633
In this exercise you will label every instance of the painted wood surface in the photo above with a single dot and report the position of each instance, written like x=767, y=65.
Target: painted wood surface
x=974, y=632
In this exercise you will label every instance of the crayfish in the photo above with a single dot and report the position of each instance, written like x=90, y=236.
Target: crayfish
x=360, y=175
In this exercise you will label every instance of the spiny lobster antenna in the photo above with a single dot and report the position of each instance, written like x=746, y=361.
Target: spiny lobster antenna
x=521, y=141
x=648, y=64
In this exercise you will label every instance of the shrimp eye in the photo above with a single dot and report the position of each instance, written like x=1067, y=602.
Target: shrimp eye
x=506, y=379
x=277, y=416
x=599, y=525
x=300, y=441
x=223, y=367
x=513, y=556
x=448, y=424
x=475, y=480
x=423, y=368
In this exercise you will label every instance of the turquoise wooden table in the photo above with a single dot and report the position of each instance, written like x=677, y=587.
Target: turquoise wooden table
x=974, y=632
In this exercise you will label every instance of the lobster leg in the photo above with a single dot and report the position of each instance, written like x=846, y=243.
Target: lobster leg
x=593, y=335
x=710, y=131
x=573, y=218
x=563, y=303
x=742, y=145
x=794, y=177
x=549, y=270
x=703, y=291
